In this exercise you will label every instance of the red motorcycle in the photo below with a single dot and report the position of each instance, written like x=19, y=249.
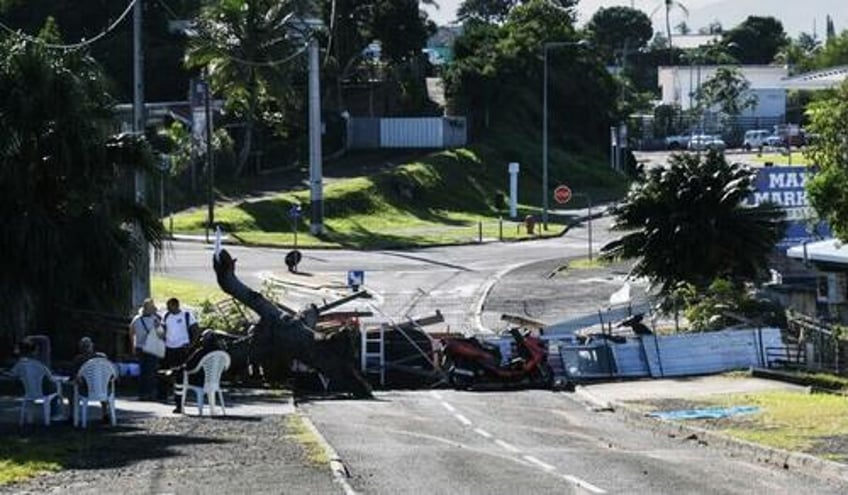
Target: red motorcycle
x=471, y=363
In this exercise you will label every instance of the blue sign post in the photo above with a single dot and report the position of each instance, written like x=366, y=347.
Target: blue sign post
x=295, y=213
x=785, y=187
x=355, y=279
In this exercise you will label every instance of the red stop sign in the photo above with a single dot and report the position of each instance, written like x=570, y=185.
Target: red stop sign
x=562, y=194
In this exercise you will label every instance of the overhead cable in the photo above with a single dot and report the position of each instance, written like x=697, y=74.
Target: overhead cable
x=72, y=46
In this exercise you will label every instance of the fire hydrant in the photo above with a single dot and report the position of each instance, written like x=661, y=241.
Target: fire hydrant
x=530, y=224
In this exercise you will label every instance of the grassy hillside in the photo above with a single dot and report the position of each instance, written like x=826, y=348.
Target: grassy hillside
x=439, y=199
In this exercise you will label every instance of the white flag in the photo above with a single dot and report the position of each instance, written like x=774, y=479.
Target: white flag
x=621, y=296
x=217, y=242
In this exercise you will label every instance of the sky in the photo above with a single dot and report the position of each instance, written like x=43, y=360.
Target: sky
x=796, y=15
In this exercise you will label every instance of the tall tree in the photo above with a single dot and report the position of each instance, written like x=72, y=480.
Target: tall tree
x=248, y=48
x=729, y=91
x=688, y=223
x=65, y=239
x=619, y=28
x=828, y=187
x=399, y=26
x=668, y=6
x=756, y=40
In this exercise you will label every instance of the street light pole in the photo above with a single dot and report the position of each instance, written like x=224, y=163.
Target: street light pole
x=140, y=289
x=545, y=48
x=545, y=140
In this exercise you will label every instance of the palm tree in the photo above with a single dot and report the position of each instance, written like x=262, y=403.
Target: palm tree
x=668, y=5
x=249, y=48
x=66, y=241
x=689, y=224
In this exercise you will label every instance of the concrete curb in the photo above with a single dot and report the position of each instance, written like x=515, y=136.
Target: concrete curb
x=337, y=466
x=761, y=454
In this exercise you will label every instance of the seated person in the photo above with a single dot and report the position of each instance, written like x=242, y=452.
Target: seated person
x=208, y=343
x=86, y=352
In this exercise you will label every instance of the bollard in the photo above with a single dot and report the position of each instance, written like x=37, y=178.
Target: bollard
x=480, y=232
x=500, y=229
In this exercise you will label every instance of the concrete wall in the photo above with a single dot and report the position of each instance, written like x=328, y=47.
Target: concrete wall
x=678, y=82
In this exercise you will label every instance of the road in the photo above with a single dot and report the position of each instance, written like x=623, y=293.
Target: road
x=525, y=442
x=406, y=283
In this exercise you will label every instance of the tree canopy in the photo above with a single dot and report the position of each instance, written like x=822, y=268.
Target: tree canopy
x=689, y=224
x=756, y=40
x=729, y=91
x=498, y=72
x=828, y=188
x=619, y=28
x=63, y=185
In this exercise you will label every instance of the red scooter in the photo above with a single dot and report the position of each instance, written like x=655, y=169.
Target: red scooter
x=470, y=363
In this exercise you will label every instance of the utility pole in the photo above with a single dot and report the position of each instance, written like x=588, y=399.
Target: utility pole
x=141, y=275
x=210, y=160
x=316, y=226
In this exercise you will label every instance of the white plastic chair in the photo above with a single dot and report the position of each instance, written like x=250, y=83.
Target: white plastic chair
x=100, y=376
x=32, y=373
x=213, y=366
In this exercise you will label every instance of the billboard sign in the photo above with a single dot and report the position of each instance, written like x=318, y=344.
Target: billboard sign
x=785, y=187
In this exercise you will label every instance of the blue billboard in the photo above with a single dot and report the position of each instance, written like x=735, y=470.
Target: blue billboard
x=785, y=187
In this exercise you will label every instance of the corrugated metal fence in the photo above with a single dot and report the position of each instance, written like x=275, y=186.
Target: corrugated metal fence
x=659, y=356
x=407, y=133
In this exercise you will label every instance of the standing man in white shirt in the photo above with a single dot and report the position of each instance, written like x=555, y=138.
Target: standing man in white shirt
x=179, y=326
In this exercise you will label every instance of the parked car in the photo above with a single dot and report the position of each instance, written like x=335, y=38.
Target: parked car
x=755, y=139
x=774, y=141
x=680, y=142
x=703, y=142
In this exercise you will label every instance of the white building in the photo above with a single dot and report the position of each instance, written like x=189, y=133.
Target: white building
x=680, y=83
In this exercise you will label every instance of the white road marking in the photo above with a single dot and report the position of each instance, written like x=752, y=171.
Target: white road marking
x=583, y=484
x=462, y=419
x=482, y=433
x=507, y=446
x=543, y=465
x=435, y=394
x=448, y=407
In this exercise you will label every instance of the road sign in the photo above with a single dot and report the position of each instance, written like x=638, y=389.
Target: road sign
x=295, y=212
x=562, y=194
x=355, y=279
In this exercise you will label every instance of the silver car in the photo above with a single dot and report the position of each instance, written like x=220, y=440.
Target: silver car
x=703, y=142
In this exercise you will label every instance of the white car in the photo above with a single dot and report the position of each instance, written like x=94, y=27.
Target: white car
x=755, y=139
x=703, y=142
x=774, y=141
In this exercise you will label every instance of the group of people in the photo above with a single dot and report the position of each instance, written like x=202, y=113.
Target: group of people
x=178, y=329
x=33, y=349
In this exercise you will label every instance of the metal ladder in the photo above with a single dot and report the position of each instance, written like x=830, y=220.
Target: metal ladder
x=373, y=353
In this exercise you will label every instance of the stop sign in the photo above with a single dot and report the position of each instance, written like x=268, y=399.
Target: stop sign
x=562, y=194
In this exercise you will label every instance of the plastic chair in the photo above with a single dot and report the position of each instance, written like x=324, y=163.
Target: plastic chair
x=99, y=375
x=32, y=373
x=213, y=366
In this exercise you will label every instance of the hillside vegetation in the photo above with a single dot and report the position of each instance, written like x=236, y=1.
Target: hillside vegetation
x=438, y=199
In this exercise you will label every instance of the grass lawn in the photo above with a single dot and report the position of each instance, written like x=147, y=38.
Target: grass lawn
x=189, y=293
x=798, y=158
x=24, y=458
x=440, y=199
x=813, y=423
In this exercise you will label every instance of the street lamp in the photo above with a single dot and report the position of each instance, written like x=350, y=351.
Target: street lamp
x=547, y=46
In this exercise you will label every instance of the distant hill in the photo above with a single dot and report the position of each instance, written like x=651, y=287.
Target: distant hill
x=797, y=16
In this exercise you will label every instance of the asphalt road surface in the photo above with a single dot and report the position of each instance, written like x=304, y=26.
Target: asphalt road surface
x=405, y=283
x=525, y=442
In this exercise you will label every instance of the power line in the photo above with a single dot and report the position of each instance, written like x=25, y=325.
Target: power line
x=270, y=63
x=73, y=46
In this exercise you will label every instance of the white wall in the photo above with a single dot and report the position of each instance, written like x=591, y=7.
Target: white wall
x=678, y=82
